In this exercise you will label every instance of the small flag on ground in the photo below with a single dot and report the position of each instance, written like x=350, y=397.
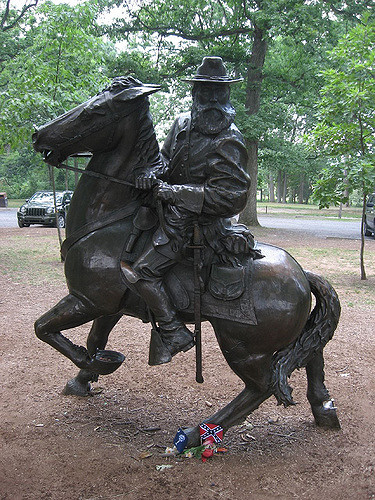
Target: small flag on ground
x=207, y=430
x=180, y=440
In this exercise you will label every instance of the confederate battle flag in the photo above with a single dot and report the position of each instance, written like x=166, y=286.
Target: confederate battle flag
x=207, y=430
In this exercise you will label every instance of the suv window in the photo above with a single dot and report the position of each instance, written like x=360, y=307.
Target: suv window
x=46, y=198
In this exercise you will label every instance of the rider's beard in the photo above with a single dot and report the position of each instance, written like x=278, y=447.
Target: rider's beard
x=211, y=119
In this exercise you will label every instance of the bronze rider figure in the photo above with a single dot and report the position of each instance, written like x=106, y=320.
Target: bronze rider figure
x=202, y=178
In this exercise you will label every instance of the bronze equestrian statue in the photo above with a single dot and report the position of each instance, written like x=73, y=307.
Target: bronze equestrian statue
x=125, y=214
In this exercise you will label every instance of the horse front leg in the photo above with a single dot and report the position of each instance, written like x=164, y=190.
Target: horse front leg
x=322, y=405
x=97, y=339
x=253, y=368
x=68, y=313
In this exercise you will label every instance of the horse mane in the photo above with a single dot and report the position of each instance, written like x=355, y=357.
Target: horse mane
x=146, y=151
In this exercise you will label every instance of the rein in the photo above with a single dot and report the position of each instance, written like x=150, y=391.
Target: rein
x=92, y=173
x=90, y=227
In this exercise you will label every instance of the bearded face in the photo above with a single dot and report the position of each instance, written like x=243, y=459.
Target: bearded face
x=211, y=111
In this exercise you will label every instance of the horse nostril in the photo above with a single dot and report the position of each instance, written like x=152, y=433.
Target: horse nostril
x=35, y=137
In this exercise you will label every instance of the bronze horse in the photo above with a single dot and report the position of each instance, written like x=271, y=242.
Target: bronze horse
x=116, y=127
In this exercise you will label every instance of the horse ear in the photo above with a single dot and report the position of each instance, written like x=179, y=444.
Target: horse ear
x=134, y=92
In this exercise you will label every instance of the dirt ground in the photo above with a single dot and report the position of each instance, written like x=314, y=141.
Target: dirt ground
x=58, y=447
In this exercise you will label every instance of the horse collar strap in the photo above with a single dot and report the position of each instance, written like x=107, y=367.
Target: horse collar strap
x=83, y=231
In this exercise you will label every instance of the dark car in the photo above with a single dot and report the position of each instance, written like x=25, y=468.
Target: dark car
x=369, y=224
x=40, y=209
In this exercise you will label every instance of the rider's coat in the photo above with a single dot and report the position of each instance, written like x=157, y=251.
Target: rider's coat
x=208, y=173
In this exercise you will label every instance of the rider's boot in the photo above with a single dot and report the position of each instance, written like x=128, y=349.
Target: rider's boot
x=174, y=334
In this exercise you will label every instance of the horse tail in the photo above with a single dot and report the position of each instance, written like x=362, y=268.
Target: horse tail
x=319, y=329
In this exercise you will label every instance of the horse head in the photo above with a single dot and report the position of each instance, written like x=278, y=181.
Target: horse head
x=89, y=127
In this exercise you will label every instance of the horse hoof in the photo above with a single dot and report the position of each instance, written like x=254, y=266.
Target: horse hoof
x=193, y=436
x=75, y=388
x=325, y=415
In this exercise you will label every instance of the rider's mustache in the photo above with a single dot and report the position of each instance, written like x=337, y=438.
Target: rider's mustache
x=221, y=108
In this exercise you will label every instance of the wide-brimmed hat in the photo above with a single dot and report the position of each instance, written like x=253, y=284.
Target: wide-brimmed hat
x=212, y=70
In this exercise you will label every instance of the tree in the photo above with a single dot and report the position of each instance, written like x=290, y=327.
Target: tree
x=241, y=32
x=346, y=128
x=62, y=63
x=10, y=18
x=57, y=60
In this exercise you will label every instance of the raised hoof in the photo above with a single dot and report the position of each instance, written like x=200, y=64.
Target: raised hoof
x=76, y=388
x=325, y=415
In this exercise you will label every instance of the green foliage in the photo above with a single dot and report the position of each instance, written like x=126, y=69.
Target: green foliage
x=22, y=172
x=62, y=63
x=347, y=106
x=56, y=56
x=346, y=131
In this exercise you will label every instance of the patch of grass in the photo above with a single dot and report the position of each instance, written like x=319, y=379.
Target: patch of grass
x=34, y=260
x=14, y=203
x=341, y=267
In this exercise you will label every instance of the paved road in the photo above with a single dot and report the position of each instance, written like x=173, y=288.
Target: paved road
x=8, y=217
x=319, y=227
x=324, y=228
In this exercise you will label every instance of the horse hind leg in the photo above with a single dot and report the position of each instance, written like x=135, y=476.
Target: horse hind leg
x=322, y=405
x=97, y=339
x=233, y=413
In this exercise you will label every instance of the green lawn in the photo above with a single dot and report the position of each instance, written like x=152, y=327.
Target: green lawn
x=297, y=210
x=15, y=203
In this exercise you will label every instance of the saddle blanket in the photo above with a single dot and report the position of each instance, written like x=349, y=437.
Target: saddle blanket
x=180, y=286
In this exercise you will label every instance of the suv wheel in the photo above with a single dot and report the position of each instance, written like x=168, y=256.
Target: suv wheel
x=22, y=224
x=61, y=221
x=366, y=229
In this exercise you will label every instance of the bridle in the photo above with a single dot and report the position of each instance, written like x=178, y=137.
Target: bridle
x=114, y=116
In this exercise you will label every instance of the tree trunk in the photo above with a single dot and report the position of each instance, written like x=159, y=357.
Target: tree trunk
x=362, y=252
x=75, y=160
x=285, y=187
x=66, y=179
x=301, y=189
x=279, y=186
x=249, y=215
x=271, y=186
x=254, y=83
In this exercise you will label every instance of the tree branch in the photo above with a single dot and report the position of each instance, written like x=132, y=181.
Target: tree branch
x=169, y=31
x=5, y=17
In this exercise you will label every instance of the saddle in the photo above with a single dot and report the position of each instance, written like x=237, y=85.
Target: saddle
x=226, y=291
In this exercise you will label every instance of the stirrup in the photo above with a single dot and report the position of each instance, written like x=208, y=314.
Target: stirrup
x=162, y=349
x=158, y=353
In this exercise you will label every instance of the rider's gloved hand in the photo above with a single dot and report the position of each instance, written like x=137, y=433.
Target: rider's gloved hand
x=237, y=244
x=146, y=181
x=165, y=192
